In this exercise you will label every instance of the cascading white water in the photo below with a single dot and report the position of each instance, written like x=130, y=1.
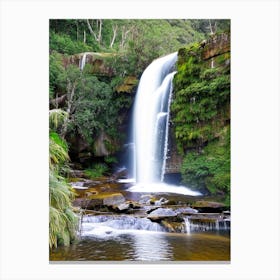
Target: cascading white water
x=150, y=119
x=150, y=128
x=187, y=225
x=83, y=61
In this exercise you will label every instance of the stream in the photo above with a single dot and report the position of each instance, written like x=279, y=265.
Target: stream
x=127, y=238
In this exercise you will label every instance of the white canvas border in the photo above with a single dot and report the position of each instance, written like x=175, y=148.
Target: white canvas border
x=24, y=138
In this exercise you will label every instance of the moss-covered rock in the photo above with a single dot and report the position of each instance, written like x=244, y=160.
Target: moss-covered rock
x=128, y=85
x=200, y=114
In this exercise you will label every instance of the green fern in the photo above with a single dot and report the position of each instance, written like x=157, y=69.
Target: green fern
x=62, y=220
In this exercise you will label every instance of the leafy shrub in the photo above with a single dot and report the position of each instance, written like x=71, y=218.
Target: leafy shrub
x=98, y=170
x=210, y=168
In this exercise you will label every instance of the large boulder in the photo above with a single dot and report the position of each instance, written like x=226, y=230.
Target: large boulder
x=161, y=213
x=101, y=145
x=209, y=206
x=101, y=200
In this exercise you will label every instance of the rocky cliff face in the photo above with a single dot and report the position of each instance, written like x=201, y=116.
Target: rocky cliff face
x=198, y=63
x=96, y=62
x=216, y=45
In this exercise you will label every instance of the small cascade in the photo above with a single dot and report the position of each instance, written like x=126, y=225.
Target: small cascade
x=212, y=62
x=83, y=61
x=103, y=226
x=167, y=130
x=197, y=225
x=187, y=225
x=160, y=129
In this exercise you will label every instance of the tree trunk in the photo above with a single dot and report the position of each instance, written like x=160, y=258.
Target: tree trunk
x=85, y=36
x=56, y=102
x=99, y=24
x=124, y=37
x=115, y=28
x=91, y=30
x=70, y=96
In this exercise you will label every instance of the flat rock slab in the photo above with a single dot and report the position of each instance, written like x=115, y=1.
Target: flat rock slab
x=162, y=213
x=208, y=204
x=108, y=199
x=98, y=200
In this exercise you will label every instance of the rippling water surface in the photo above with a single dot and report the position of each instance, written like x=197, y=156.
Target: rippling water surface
x=139, y=245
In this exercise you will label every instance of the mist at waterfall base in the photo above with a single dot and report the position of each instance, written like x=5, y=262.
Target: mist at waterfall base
x=148, y=148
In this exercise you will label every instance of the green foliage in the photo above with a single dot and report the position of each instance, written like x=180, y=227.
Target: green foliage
x=62, y=220
x=57, y=118
x=203, y=26
x=96, y=105
x=110, y=159
x=97, y=170
x=58, y=151
x=63, y=43
x=200, y=117
x=210, y=168
x=202, y=97
x=55, y=69
x=138, y=41
x=95, y=109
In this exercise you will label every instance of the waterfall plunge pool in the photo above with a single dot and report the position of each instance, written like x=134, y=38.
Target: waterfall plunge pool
x=140, y=245
x=126, y=238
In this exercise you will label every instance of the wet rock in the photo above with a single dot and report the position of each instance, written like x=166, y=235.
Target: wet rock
x=98, y=201
x=172, y=226
x=146, y=199
x=204, y=203
x=186, y=210
x=161, y=213
x=91, y=191
x=123, y=206
x=113, y=199
x=121, y=173
x=89, y=183
x=134, y=204
x=78, y=185
x=77, y=174
x=159, y=202
x=209, y=206
x=127, y=206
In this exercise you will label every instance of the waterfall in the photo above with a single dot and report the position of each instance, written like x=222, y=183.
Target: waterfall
x=167, y=129
x=197, y=225
x=150, y=129
x=187, y=225
x=150, y=120
x=83, y=61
